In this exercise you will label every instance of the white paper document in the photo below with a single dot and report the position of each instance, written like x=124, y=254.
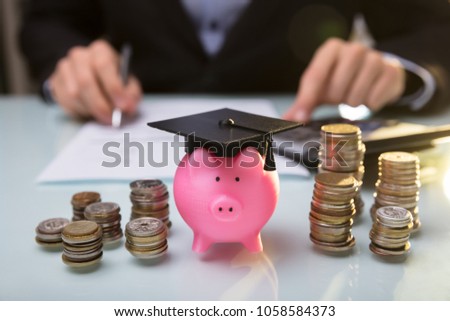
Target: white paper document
x=137, y=151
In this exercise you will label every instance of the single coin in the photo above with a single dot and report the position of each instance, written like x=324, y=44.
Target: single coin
x=145, y=226
x=101, y=208
x=399, y=157
x=52, y=226
x=148, y=186
x=389, y=252
x=81, y=232
x=83, y=199
x=393, y=213
x=342, y=129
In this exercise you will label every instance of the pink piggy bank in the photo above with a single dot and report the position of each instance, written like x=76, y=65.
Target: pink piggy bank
x=225, y=199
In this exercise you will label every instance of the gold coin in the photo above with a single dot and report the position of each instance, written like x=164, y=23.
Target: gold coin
x=399, y=157
x=81, y=231
x=147, y=254
x=336, y=179
x=335, y=247
x=389, y=252
x=332, y=238
x=341, y=129
x=330, y=219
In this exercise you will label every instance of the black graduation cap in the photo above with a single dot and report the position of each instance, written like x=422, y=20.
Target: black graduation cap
x=226, y=131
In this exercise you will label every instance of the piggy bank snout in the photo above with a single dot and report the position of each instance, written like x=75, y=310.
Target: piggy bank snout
x=226, y=208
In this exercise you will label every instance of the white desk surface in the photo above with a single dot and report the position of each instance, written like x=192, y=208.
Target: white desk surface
x=290, y=268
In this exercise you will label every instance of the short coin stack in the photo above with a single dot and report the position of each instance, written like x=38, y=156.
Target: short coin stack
x=146, y=238
x=342, y=151
x=107, y=215
x=80, y=201
x=48, y=232
x=82, y=241
x=398, y=183
x=150, y=199
x=332, y=211
x=390, y=231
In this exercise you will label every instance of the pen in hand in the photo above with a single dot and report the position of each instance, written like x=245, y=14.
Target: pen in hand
x=124, y=68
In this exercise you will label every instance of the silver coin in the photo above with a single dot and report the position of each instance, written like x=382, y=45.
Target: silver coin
x=52, y=226
x=145, y=226
x=102, y=208
x=393, y=213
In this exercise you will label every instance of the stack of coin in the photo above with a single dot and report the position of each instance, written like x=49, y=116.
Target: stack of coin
x=398, y=183
x=390, y=231
x=82, y=241
x=80, y=201
x=342, y=151
x=107, y=215
x=150, y=199
x=332, y=211
x=146, y=237
x=48, y=232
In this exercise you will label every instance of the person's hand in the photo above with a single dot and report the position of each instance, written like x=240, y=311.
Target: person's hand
x=350, y=73
x=86, y=83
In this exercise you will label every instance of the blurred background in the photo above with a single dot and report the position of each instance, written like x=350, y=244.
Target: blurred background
x=14, y=77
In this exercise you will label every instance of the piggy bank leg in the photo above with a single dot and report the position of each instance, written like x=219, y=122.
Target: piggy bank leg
x=253, y=243
x=201, y=243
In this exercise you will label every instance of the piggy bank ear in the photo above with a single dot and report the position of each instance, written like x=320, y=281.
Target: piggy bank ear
x=201, y=158
x=249, y=157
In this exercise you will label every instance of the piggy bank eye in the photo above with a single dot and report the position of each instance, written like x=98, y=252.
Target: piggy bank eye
x=237, y=179
x=217, y=178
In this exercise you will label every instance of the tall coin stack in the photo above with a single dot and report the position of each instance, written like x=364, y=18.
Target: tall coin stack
x=80, y=201
x=107, y=215
x=146, y=238
x=332, y=211
x=82, y=242
x=398, y=183
x=150, y=199
x=342, y=151
x=390, y=231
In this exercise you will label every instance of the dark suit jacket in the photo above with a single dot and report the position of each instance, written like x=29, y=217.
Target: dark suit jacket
x=266, y=50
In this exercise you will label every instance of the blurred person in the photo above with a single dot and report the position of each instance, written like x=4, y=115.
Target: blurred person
x=239, y=46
